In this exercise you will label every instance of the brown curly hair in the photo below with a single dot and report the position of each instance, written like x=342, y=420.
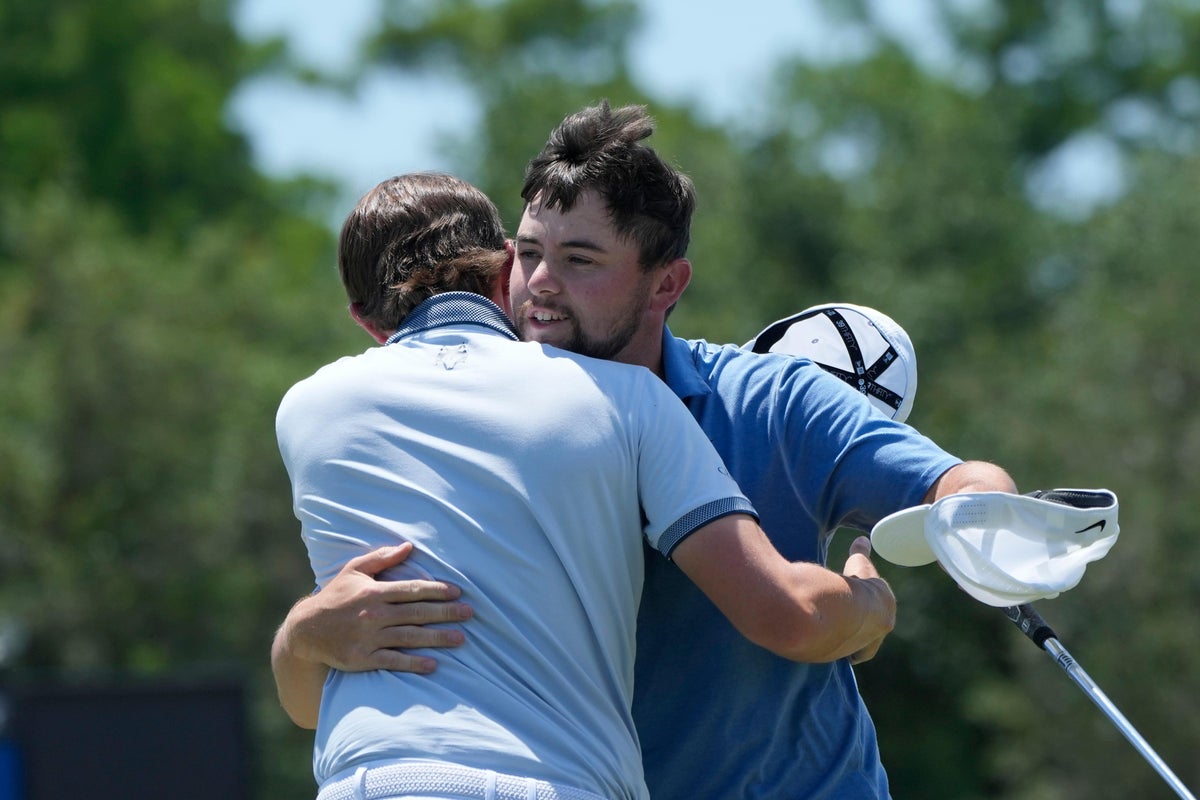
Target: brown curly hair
x=414, y=236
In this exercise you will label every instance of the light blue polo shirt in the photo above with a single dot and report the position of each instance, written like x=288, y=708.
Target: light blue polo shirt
x=719, y=716
x=528, y=476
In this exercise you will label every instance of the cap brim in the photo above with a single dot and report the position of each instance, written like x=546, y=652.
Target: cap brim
x=900, y=538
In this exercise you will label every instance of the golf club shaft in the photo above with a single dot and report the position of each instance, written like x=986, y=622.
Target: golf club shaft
x=1033, y=626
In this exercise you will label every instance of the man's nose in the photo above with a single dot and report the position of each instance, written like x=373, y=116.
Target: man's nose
x=543, y=280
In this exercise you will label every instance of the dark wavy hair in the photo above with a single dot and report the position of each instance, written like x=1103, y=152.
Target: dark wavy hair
x=414, y=236
x=599, y=149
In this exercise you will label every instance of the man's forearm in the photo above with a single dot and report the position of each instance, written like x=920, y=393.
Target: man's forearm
x=801, y=611
x=846, y=616
x=298, y=681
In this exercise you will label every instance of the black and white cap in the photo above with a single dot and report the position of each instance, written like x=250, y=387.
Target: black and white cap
x=864, y=347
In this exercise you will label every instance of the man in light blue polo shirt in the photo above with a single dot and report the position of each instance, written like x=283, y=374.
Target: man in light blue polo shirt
x=600, y=262
x=529, y=477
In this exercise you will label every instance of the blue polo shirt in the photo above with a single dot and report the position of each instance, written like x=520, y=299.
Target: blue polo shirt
x=717, y=715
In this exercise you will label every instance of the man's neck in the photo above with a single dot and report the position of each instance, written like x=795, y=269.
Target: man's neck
x=645, y=350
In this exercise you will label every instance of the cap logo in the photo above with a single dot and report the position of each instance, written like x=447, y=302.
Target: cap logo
x=1099, y=525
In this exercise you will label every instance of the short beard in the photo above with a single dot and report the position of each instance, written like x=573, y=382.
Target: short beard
x=623, y=332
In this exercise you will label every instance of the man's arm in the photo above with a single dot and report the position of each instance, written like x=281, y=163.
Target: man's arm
x=357, y=623
x=800, y=610
x=971, y=476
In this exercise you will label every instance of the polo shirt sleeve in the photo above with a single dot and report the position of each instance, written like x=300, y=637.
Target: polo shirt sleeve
x=682, y=482
x=873, y=464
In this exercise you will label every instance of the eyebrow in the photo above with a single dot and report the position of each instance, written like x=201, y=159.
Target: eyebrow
x=575, y=244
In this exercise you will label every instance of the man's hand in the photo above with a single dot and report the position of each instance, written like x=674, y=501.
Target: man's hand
x=357, y=623
x=859, y=565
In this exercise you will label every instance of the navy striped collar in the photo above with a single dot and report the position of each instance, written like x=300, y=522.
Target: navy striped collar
x=455, y=308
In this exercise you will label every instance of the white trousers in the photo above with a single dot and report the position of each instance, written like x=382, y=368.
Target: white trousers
x=437, y=780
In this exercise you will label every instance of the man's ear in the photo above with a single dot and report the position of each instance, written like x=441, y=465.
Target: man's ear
x=504, y=281
x=367, y=325
x=672, y=280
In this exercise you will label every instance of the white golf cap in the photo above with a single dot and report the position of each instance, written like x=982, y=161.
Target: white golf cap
x=860, y=345
x=1005, y=549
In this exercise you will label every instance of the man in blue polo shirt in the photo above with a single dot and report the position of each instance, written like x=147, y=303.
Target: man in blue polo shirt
x=600, y=263
x=530, y=476
x=718, y=717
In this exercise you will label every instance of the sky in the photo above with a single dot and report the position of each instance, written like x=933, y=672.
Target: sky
x=688, y=49
x=696, y=50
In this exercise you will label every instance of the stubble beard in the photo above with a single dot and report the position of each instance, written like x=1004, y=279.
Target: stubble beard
x=621, y=334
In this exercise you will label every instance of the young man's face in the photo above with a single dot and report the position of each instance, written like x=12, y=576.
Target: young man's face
x=577, y=285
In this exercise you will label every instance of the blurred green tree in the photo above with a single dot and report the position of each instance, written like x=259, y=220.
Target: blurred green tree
x=157, y=297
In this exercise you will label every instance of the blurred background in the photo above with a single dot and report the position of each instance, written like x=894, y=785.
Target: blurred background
x=1014, y=182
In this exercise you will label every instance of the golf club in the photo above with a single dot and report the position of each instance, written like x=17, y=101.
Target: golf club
x=1032, y=625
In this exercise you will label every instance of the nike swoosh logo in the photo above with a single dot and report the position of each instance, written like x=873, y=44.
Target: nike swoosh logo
x=1099, y=525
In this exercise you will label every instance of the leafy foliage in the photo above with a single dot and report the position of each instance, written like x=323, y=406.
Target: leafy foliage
x=157, y=299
